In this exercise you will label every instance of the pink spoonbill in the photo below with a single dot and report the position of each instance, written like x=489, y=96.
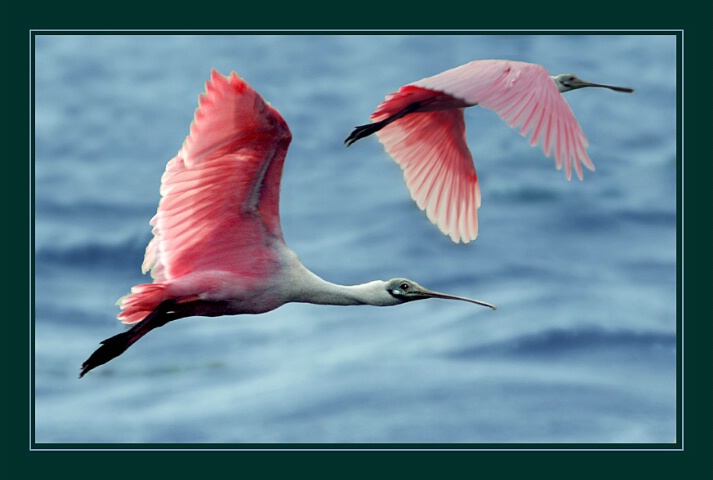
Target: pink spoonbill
x=422, y=128
x=217, y=246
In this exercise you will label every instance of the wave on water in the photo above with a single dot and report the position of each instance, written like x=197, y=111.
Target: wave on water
x=560, y=343
x=126, y=253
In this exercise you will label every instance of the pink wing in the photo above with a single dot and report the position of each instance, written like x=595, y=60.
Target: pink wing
x=523, y=95
x=438, y=168
x=430, y=145
x=220, y=194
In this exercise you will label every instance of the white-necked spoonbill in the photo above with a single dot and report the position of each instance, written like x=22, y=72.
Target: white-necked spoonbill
x=422, y=128
x=218, y=247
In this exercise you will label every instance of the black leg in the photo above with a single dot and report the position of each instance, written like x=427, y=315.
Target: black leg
x=114, y=346
x=366, y=130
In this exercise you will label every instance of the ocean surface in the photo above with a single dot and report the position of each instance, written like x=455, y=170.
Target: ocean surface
x=582, y=347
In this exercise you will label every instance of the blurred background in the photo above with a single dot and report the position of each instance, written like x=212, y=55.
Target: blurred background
x=582, y=347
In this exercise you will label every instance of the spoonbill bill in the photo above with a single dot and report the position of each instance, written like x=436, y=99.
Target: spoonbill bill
x=422, y=128
x=217, y=246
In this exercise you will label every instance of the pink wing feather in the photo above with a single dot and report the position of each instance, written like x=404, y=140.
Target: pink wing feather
x=438, y=168
x=430, y=144
x=220, y=194
x=523, y=95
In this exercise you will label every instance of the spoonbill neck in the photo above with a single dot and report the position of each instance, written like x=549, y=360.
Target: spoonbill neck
x=321, y=292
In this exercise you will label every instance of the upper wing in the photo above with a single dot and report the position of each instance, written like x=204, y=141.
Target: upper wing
x=524, y=95
x=220, y=193
x=438, y=168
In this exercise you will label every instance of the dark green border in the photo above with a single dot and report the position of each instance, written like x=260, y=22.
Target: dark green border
x=692, y=18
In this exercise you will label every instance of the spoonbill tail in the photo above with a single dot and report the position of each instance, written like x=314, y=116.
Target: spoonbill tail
x=422, y=128
x=217, y=247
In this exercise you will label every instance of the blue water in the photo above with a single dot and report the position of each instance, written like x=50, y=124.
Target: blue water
x=582, y=347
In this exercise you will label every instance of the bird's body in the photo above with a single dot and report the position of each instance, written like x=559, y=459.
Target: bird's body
x=218, y=247
x=422, y=128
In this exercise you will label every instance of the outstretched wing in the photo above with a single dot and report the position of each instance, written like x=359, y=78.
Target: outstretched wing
x=437, y=165
x=430, y=144
x=524, y=96
x=220, y=193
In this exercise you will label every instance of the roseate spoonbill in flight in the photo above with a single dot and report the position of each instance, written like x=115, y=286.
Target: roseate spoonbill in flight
x=422, y=128
x=217, y=247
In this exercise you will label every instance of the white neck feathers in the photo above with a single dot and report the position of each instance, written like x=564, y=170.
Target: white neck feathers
x=312, y=289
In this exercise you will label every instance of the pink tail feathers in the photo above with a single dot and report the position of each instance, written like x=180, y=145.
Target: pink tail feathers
x=142, y=300
x=405, y=96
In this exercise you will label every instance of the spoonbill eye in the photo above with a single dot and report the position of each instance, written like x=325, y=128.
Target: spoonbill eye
x=404, y=287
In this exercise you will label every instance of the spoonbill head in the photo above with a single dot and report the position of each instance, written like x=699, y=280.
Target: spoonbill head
x=404, y=290
x=569, y=81
x=422, y=128
x=217, y=246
